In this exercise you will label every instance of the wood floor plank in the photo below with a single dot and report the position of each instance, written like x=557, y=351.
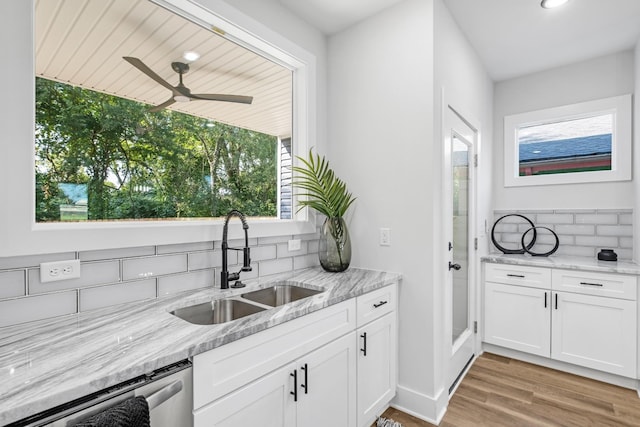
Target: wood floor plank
x=499, y=391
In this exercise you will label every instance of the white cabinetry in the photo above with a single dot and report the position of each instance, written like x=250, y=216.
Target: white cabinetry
x=584, y=318
x=376, y=353
x=307, y=372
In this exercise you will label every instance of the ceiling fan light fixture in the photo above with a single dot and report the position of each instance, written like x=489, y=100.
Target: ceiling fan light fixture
x=181, y=98
x=190, y=55
x=550, y=4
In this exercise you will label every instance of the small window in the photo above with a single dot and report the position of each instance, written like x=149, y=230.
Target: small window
x=586, y=142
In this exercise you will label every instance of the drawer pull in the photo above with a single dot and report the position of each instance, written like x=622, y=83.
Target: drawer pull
x=380, y=304
x=591, y=284
x=305, y=386
x=520, y=276
x=545, y=300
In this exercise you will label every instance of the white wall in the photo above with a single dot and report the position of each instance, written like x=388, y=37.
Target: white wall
x=602, y=77
x=636, y=155
x=384, y=141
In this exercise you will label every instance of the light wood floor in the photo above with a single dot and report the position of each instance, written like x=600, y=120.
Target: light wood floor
x=498, y=391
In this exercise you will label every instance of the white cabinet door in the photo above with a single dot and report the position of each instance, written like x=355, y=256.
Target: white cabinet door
x=376, y=367
x=517, y=317
x=327, y=385
x=266, y=402
x=595, y=332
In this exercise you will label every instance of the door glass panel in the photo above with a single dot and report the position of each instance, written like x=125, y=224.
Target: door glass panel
x=460, y=214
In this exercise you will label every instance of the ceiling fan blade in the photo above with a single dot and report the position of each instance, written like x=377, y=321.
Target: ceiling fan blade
x=148, y=71
x=224, y=98
x=162, y=106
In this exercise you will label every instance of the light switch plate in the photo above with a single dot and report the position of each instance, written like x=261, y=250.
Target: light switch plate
x=385, y=237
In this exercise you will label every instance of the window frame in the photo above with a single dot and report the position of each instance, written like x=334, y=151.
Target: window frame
x=618, y=106
x=21, y=235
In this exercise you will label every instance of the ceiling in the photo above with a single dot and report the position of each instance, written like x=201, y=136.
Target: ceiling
x=82, y=42
x=512, y=37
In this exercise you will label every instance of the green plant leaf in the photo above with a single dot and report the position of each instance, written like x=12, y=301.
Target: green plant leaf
x=322, y=189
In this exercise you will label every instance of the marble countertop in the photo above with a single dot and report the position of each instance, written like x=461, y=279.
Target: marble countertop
x=47, y=363
x=566, y=262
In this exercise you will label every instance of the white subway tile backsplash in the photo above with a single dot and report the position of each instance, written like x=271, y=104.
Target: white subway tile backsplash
x=33, y=260
x=576, y=230
x=185, y=282
x=615, y=230
x=28, y=309
x=185, y=247
x=276, y=266
x=179, y=267
x=204, y=259
x=91, y=274
x=609, y=218
x=104, y=296
x=137, y=268
x=12, y=283
x=262, y=253
x=116, y=253
x=582, y=232
x=597, y=241
x=557, y=218
x=305, y=261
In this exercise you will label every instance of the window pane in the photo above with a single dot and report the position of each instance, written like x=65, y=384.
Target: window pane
x=103, y=152
x=578, y=145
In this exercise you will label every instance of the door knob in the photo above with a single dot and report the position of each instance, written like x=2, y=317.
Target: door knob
x=454, y=266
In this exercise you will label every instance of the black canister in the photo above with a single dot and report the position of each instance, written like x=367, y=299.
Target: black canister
x=607, y=255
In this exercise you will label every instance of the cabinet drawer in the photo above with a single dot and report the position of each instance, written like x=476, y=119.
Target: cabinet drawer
x=375, y=304
x=603, y=284
x=535, y=277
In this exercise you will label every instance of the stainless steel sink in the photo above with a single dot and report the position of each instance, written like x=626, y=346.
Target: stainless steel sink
x=218, y=311
x=280, y=294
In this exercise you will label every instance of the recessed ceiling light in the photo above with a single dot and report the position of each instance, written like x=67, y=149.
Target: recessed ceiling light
x=190, y=55
x=550, y=4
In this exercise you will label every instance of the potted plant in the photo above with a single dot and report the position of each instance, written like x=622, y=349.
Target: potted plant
x=327, y=194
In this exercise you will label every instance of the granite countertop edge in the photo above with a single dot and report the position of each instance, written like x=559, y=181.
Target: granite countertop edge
x=48, y=363
x=566, y=262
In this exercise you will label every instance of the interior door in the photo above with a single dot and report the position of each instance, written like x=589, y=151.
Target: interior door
x=459, y=218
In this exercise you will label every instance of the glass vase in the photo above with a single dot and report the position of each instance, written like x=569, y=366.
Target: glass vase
x=334, y=249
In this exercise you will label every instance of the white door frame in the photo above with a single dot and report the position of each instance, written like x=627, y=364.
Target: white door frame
x=449, y=348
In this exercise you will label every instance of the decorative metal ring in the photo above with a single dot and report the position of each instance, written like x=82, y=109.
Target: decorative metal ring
x=515, y=251
x=555, y=248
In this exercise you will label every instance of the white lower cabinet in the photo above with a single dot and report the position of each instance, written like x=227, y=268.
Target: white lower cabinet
x=595, y=332
x=308, y=372
x=593, y=325
x=319, y=389
x=517, y=317
x=376, y=368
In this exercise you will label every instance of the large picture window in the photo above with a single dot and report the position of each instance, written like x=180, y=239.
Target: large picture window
x=586, y=142
x=188, y=128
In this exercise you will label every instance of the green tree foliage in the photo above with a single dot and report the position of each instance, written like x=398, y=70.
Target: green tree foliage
x=136, y=164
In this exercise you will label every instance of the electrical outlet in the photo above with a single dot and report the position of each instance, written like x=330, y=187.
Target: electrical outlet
x=294, y=245
x=59, y=270
x=385, y=237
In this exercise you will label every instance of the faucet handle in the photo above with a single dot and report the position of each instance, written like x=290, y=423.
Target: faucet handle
x=246, y=255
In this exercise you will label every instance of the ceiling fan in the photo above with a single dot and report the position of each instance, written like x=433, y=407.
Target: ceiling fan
x=181, y=93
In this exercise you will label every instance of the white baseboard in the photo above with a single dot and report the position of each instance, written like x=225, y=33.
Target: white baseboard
x=419, y=405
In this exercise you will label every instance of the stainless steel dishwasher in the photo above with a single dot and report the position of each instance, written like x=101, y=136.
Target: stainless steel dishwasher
x=169, y=393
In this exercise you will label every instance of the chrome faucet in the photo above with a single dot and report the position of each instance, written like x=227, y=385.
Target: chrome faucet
x=225, y=276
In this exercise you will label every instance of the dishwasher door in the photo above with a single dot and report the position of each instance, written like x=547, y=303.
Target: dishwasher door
x=170, y=389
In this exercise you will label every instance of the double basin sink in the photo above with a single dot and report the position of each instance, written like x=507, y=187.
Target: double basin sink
x=228, y=309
